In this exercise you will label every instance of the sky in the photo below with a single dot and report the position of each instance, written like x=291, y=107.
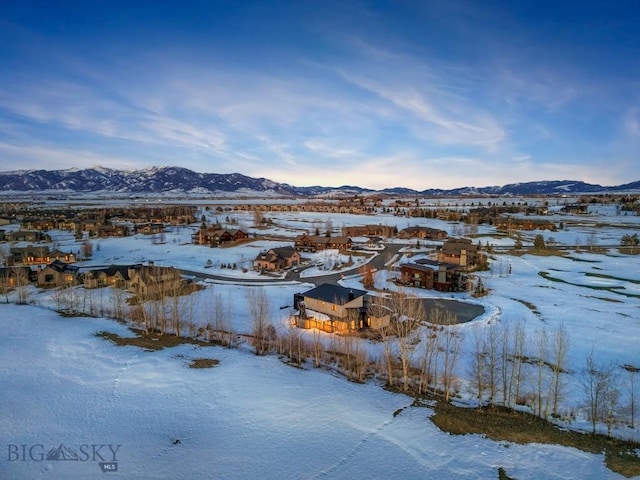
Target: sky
x=418, y=94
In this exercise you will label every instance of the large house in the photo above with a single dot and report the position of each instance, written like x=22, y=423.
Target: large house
x=444, y=277
x=150, y=281
x=459, y=251
x=427, y=233
x=11, y=277
x=110, y=230
x=523, y=223
x=149, y=228
x=113, y=275
x=276, y=259
x=38, y=255
x=143, y=280
x=333, y=308
x=315, y=243
x=58, y=274
x=217, y=236
x=369, y=230
x=26, y=236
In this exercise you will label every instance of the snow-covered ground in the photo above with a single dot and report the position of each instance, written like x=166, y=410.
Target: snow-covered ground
x=253, y=416
x=247, y=417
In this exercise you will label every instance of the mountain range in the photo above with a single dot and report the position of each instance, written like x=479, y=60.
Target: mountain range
x=182, y=180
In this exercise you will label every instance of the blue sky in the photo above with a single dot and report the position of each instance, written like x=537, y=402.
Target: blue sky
x=420, y=94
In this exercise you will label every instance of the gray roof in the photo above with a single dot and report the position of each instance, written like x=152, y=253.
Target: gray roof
x=333, y=293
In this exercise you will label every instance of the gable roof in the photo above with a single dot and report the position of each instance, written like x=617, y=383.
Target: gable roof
x=336, y=294
x=284, y=252
x=62, y=267
x=111, y=270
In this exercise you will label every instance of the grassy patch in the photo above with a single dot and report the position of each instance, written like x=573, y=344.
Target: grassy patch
x=612, y=289
x=502, y=424
x=611, y=277
x=529, y=305
x=203, y=363
x=613, y=300
x=547, y=252
x=149, y=341
x=576, y=259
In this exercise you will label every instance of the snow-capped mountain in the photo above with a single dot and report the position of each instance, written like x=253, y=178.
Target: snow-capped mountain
x=182, y=180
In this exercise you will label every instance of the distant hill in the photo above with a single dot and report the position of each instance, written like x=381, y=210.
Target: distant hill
x=182, y=180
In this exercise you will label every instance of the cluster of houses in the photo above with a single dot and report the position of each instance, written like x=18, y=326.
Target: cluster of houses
x=145, y=281
x=215, y=235
x=103, y=222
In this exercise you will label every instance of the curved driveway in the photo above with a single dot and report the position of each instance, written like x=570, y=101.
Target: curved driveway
x=463, y=311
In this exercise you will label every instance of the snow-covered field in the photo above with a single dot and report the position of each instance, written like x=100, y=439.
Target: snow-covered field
x=256, y=417
x=247, y=417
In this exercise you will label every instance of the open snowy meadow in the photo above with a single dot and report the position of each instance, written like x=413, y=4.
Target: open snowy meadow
x=247, y=417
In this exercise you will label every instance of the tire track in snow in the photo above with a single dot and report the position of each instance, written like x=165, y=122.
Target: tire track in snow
x=357, y=449
x=49, y=468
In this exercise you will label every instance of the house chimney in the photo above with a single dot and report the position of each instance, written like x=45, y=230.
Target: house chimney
x=351, y=296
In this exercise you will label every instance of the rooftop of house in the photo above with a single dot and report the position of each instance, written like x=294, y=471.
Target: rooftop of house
x=336, y=294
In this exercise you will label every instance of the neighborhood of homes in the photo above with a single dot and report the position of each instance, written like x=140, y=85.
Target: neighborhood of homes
x=328, y=307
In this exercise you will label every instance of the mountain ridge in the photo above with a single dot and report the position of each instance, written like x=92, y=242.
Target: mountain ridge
x=182, y=180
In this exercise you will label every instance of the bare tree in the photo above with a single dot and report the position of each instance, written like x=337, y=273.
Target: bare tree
x=541, y=344
x=317, y=347
x=505, y=361
x=517, y=355
x=559, y=352
x=478, y=365
x=408, y=313
x=493, y=345
x=21, y=276
x=597, y=381
x=631, y=387
x=118, y=303
x=429, y=350
x=260, y=311
x=450, y=342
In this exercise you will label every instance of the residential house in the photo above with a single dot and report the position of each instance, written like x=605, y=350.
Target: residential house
x=315, y=243
x=11, y=277
x=113, y=275
x=444, y=277
x=110, y=230
x=427, y=233
x=40, y=224
x=523, y=223
x=148, y=281
x=149, y=228
x=57, y=274
x=217, y=236
x=576, y=208
x=276, y=259
x=27, y=236
x=369, y=230
x=38, y=255
x=459, y=251
x=333, y=308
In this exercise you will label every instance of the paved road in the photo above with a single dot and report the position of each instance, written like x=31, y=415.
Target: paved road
x=463, y=311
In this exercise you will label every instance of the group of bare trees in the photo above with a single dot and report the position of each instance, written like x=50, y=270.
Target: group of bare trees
x=609, y=391
x=509, y=367
x=170, y=311
x=420, y=349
